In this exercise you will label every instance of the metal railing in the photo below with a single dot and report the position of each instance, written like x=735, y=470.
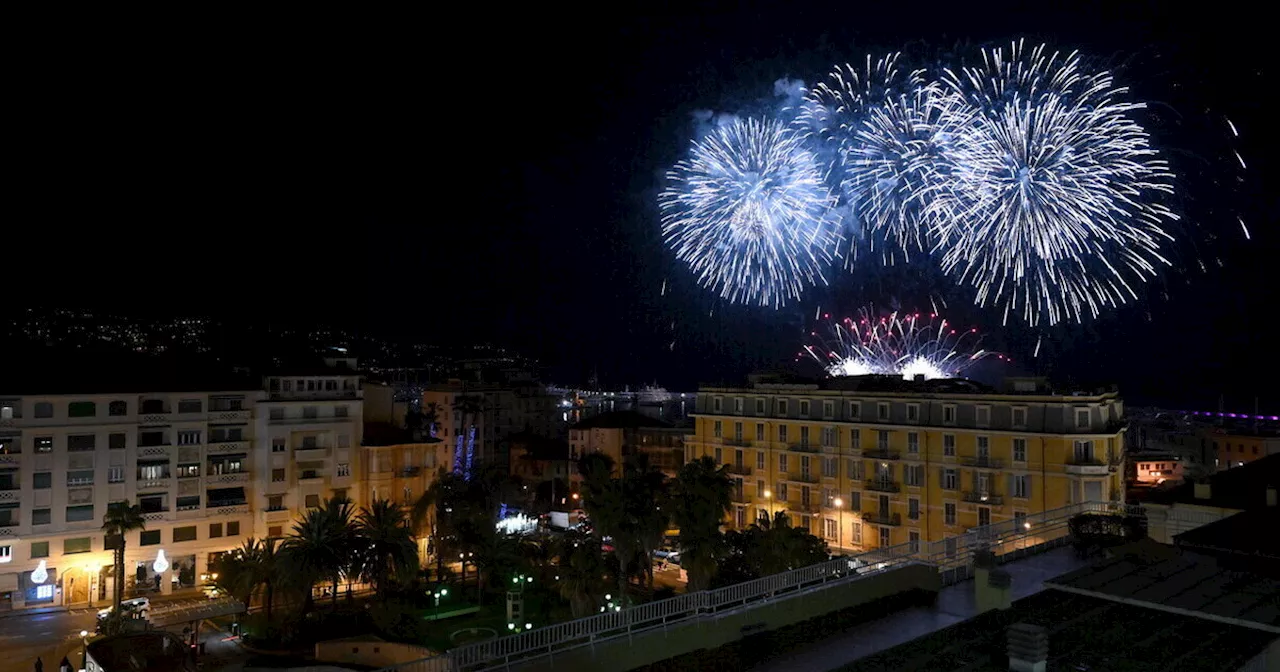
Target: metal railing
x=882, y=454
x=979, y=497
x=982, y=462
x=952, y=558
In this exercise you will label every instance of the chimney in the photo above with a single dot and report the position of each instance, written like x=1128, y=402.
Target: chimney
x=1203, y=491
x=1028, y=648
x=1271, y=496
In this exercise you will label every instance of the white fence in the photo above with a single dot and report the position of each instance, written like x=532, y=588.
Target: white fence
x=953, y=558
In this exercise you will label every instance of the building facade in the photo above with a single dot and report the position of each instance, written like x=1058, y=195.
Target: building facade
x=477, y=418
x=872, y=461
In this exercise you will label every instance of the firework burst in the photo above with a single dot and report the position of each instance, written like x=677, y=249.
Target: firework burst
x=897, y=344
x=1054, y=210
x=751, y=214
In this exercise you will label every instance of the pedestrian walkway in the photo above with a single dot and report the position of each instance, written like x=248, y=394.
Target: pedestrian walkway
x=955, y=604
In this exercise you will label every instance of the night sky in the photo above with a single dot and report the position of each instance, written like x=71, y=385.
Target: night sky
x=493, y=177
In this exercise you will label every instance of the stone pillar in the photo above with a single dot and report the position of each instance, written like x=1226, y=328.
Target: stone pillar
x=1028, y=647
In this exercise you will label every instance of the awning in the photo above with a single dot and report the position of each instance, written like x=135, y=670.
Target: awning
x=8, y=582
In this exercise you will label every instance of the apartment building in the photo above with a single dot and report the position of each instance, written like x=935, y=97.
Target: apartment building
x=620, y=434
x=310, y=427
x=183, y=457
x=874, y=461
x=477, y=418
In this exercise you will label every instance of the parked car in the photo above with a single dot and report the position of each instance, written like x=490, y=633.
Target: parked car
x=137, y=608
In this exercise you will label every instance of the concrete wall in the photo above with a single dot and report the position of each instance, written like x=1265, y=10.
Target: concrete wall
x=371, y=653
x=624, y=653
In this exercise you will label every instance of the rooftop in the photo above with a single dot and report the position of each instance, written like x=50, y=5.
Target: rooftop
x=1237, y=488
x=622, y=420
x=1237, y=534
x=893, y=384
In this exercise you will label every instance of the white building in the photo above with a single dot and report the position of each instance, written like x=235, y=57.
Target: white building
x=208, y=468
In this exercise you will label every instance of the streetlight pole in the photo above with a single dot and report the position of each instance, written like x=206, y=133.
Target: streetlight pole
x=840, y=528
x=768, y=497
x=84, y=649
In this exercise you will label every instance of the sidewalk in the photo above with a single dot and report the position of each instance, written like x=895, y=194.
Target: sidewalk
x=184, y=594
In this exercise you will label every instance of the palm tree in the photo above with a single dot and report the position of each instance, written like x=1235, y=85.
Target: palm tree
x=321, y=546
x=467, y=407
x=647, y=488
x=236, y=571
x=120, y=519
x=267, y=561
x=431, y=418
x=340, y=514
x=580, y=571
x=613, y=506
x=699, y=505
x=389, y=546
x=435, y=512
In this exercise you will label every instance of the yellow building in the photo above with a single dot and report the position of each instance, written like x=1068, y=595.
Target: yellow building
x=874, y=461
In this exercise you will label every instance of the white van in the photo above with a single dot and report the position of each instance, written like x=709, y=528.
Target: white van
x=138, y=607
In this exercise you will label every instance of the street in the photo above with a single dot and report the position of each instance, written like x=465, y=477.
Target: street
x=50, y=636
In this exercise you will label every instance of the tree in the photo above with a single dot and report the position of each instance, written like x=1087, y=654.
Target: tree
x=767, y=547
x=236, y=571
x=389, y=548
x=647, y=490
x=120, y=519
x=321, y=545
x=699, y=504
x=581, y=569
x=626, y=509
x=431, y=418
x=438, y=510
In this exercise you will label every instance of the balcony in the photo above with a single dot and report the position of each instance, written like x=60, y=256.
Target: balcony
x=982, y=462
x=154, y=483
x=985, y=498
x=224, y=447
x=410, y=472
x=154, y=451
x=6, y=495
x=10, y=458
x=882, y=454
x=804, y=447
x=741, y=443
x=230, y=509
x=233, y=477
x=157, y=516
x=317, y=420
x=160, y=418
x=309, y=454
x=228, y=416
x=809, y=509
x=1086, y=465
x=739, y=497
x=310, y=476
x=882, y=485
x=880, y=518
x=738, y=469
x=801, y=478
x=275, y=516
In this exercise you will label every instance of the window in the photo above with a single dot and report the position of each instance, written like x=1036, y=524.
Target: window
x=117, y=440
x=277, y=414
x=81, y=477
x=6, y=554
x=188, y=471
x=233, y=528
x=344, y=469
x=153, y=406
x=913, y=443
x=717, y=404
x=737, y=431
x=1019, y=450
x=1020, y=521
x=759, y=406
x=829, y=436
x=855, y=410
x=782, y=433
x=275, y=503
x=42, y=480
x=830, y=528
x=855, y=501
x=949, y=445
x=950, y=479
x=187, y=533
x=828, y=409
x=313, y=501
x=118, y=408
x=984, y=447
x=719, y=455
x=804, y=408
x=77, y=545
x=152, y=439
x=913, y=412
x=717, y=429
x=310, y=412
x=830, y=467
x=151, y=472
x=882, y=411
x=80, y=443
x=277, y=445
x=782, y=492
x=1019, y=418
x=984, y=516
x=1082, y=418
x=854, y=471
x=856, y=532
x=884, y=537
x=782, y=407
x=804, y=435
x=913, y=474
x=759, y=487
x=984, y=416
x=759, y=431
x=949, y=513
x=215, y=530
x=275, y=531
x=277, y=475
x=1021, y=486
x=188, y=503
x=339, y=411
x=760, y=459
x=44, y=444
x=855, y=439
x=782, y=462
x=1083, y=452
x=190, y=406
x=82, y=409
x=115, y=474
x=882, y=440
x=913, y=508
x=39, y=549
x=949, y=414
x=913, y=540
x=188, y=437
x=43, y=409
x=78, y=514
x=951, y=547
x=737, y=405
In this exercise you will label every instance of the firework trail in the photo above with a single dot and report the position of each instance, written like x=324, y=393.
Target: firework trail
x=750, y=212
x=1053, y=212
x=898, y=344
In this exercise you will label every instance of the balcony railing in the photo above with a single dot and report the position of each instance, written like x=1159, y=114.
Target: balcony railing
x=310, y=476
x=312, y=453
x=878, y=518
x=739, y=469
x=153, y=483
x=811, y=508
x=223, y=509
x=800, y=477
x=882, y=454
x=1085, y=461
x=882, y=485
x=229, y=446
x=990, y=499
x=409, y=472
x=233, y=477
x=982, y=462
x=154, y=451
x=804, y=447
x=739, y=497
x=741, y=443
x=154, y=418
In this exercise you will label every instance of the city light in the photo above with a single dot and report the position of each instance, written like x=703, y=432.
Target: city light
x=161, y=564
x=40, y=574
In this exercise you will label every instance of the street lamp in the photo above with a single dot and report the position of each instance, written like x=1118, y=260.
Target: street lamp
x=768, y=496
x=840, y=531
x=84, y=649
